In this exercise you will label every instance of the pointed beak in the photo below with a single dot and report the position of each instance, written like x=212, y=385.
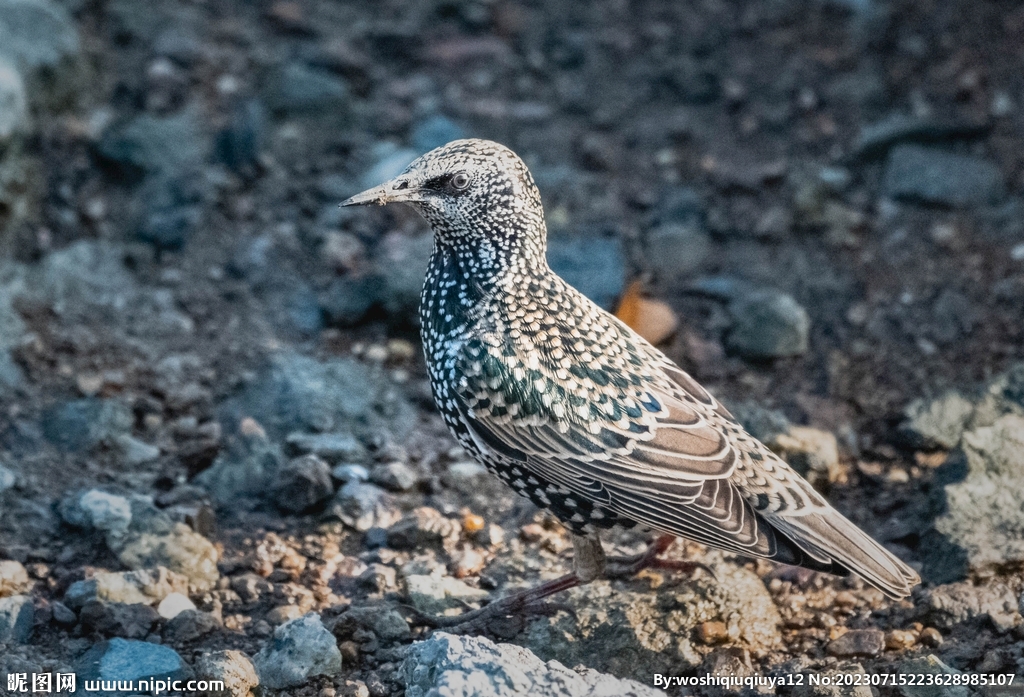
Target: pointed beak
x=397, y=190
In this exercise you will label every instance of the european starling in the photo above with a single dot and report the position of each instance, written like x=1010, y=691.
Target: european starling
x=577, y=412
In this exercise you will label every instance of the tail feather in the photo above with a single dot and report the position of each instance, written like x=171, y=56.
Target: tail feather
x=833, y=542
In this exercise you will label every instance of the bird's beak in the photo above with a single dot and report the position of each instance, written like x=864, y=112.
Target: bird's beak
x=398, y=190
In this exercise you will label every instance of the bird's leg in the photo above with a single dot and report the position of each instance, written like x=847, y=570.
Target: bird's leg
x=507, y=617
x=625, y=567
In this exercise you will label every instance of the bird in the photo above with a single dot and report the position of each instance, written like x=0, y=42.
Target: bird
x=575, y=411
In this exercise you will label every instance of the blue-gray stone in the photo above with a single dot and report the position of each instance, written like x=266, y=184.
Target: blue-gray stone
x=595, y=266
x=16, y=618
x=299, y=650
x=128, y=659
x=298, y=88
x=149, y=144
x=435, y=131
x=83, y=424
x=768, y=324
x=934, y=176
x=247, y=467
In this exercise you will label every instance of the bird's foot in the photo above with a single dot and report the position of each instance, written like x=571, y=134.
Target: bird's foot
x=507, y=616
x=626, y=567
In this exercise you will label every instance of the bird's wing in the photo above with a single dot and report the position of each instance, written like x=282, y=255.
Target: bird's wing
x=654, y=447
x=648, y=452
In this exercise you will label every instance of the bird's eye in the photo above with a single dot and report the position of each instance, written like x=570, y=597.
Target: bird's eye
x=459, y=181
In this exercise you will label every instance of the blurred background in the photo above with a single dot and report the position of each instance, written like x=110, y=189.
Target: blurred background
x=814, y=206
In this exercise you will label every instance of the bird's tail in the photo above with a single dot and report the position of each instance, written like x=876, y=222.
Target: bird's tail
x=832, y=540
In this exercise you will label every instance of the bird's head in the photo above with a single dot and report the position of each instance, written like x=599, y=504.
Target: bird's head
x=474, y=193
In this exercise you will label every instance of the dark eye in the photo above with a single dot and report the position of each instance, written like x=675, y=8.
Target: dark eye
x=459, y=181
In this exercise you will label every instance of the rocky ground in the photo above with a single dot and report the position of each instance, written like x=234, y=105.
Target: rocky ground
x=218, y=452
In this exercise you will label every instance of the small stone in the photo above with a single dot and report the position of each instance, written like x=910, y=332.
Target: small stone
x=284, y=613
x=232, y=667
x=899, y=640
x=768, y=324
x=931, y=175
x=97, y=509
x=301, y=89
x=939, y=422
x=422, y=527
x=13, y=579
x=63, y=615
x=491, y=536
x=189, y=625
x=712, y=632
x=953, y=604
x=332, y=447
x=674, y=251
x=858, y=642
x=14, y=117
x=302, y=483
x=467, y=562
x=396, y=476
x=930, y=636
x=346, y=473
x=118, y=619
x=299, y=650
x=17, y=616
x=385, y=622
x=363, y=506
x=173, y=605
x=839, y=684
x=432, y=595
x=125, y=659
x=810, y=451
x=180, y=550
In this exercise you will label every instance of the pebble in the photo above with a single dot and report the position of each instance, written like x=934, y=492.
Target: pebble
x=14, y=579
x=63, y=615
x=14, y=117
x=118, y=619
x=858, y=642
x=423, y=527
x=938, y=422
x=396, y=476
x=930, y=636
x=173, y=605
x=387, y=623
x=284, y=613
x=712, y=632
x=297, y=88
x=232, y=667
x=98, y=509
x=433, y=595
x=362, y=506
x=189, y=625
x=165, y=146
x=810, y=451
x=332, y=447
x=768, y=324
x=899, y=640
x=180, y=549
x=299, y=650
x=17, y=616
x=934, y=176
x=302, y=484
x=674, y=251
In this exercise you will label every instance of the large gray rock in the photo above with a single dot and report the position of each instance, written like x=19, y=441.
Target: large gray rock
x=299, y=650
x=931, y=175
x=17, y=615
x=453, y=666
x=639, y=633
x=768, y=324
x=125, y=659
x=982, y=523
